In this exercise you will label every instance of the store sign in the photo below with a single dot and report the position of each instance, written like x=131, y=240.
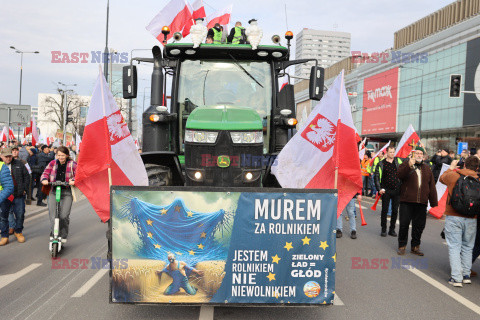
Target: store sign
x=471, y=109
x=380, y=103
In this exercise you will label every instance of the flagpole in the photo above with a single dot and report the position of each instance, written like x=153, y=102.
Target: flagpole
x=335, y=186
x=106, y=131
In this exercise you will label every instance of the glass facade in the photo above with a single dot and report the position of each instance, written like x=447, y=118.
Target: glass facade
x=439, y=111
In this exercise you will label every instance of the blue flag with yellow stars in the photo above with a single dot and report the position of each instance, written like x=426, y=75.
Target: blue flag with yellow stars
x=176, y=229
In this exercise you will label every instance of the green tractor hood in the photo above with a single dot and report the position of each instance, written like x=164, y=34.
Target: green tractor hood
x=224, y=117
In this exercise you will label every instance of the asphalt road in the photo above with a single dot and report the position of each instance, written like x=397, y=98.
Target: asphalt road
x=31, y=289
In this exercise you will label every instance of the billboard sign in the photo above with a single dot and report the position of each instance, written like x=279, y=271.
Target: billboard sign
x=234, y=246
x=380, y=103
x=19, y=115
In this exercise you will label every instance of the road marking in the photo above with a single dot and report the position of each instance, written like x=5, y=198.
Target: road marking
x=36, y=216
x=467, y=303
x=337, y=301
x=9, y=278
x=206, y=313
x=356, y=205
x=90, y=283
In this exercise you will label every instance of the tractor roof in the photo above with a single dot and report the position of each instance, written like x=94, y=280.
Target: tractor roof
x=223, y=51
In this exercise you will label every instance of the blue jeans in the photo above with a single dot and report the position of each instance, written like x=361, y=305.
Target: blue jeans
x=18, y=205
x=351, y=214
x=11, y=219
x=372, y=184
x=460, y=235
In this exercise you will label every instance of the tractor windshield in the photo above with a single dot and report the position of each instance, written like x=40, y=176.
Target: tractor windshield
x=239, y=83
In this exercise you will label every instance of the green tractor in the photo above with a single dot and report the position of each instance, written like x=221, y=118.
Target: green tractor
x=227, y=117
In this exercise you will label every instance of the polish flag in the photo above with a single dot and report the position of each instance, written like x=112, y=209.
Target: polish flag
x=362, y=148
x=34, y=132
x=27, y=130
x=176, y=14
x=221, y=16
x=407, y=143
x=442, y=193
x=325, y=144
x=107, y=144
x=78, y=140
x=380, y=151
x=5, y=131
x=198, y=11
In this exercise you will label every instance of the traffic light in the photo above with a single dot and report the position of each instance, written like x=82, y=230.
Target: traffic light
x=455, y=84
x=69, y=116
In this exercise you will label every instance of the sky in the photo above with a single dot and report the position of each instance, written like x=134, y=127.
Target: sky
x=79, y=26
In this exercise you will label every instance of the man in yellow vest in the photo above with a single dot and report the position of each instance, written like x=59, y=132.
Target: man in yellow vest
x=216, y=33
x=237, y=34
x=6, y=191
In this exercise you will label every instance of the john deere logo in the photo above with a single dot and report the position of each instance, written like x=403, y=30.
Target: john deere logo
x=223, y=161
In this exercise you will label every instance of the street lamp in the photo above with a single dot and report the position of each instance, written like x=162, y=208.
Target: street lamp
x=144, y=97
x=65, y=108
x=21, y=68
x=21, y=75
x=421, y=99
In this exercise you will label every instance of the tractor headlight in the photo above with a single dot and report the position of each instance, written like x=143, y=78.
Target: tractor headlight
x=200, y=136
x=247, y=137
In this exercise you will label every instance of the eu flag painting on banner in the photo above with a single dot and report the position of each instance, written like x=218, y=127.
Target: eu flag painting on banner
x=223, y=247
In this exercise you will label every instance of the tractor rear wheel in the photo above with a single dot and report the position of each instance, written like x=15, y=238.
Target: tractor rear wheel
x=158, y=175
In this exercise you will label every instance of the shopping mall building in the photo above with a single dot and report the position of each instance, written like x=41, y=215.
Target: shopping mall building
x=411, y=81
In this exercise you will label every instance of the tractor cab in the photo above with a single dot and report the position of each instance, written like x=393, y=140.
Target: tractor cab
x=228, y=118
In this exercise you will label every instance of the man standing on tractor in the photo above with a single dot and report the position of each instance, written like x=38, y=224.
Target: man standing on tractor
x=237, y=34
x=216, y=33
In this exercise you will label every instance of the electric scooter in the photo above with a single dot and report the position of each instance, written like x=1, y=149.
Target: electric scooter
x=55, y=244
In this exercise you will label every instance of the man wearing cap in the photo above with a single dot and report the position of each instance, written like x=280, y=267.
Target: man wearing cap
x=416, y=190
x=20, y=178
x=237, y=34
x=438, y=160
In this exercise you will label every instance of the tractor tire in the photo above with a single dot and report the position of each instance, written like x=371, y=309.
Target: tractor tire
x=158, y=175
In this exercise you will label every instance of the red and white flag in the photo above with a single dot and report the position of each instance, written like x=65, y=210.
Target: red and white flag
x=326, y=143
x=442, y=194
x=362, y=148
x=407, y=143
x=221, y=16
x=198, y=11
x=35, y=139
x=50, y=140
x=380, y=151
x=176, y=14
x=78, y=140
x=107, y=144
x=5, y=132
x=27, y=130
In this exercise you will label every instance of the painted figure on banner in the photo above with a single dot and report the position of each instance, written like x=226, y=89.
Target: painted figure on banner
x=179, y=271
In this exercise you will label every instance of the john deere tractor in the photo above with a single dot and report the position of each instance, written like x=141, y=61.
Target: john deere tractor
x=226, y=118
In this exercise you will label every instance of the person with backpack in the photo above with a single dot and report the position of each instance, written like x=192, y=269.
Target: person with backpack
x=462, y=207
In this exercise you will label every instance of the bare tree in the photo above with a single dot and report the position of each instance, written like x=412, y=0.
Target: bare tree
x=54, y=109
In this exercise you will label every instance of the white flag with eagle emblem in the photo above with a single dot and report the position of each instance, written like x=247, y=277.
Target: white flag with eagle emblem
x=326, y=142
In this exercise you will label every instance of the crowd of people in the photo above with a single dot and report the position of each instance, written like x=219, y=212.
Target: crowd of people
x=406, y=186
x=24, y=170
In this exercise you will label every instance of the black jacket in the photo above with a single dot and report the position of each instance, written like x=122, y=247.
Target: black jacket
x=43, y=159
x=379, y=168
x=437, y=162
x=20, y=177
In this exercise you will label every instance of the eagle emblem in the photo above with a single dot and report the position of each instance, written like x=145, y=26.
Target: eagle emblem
x=321, y=133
